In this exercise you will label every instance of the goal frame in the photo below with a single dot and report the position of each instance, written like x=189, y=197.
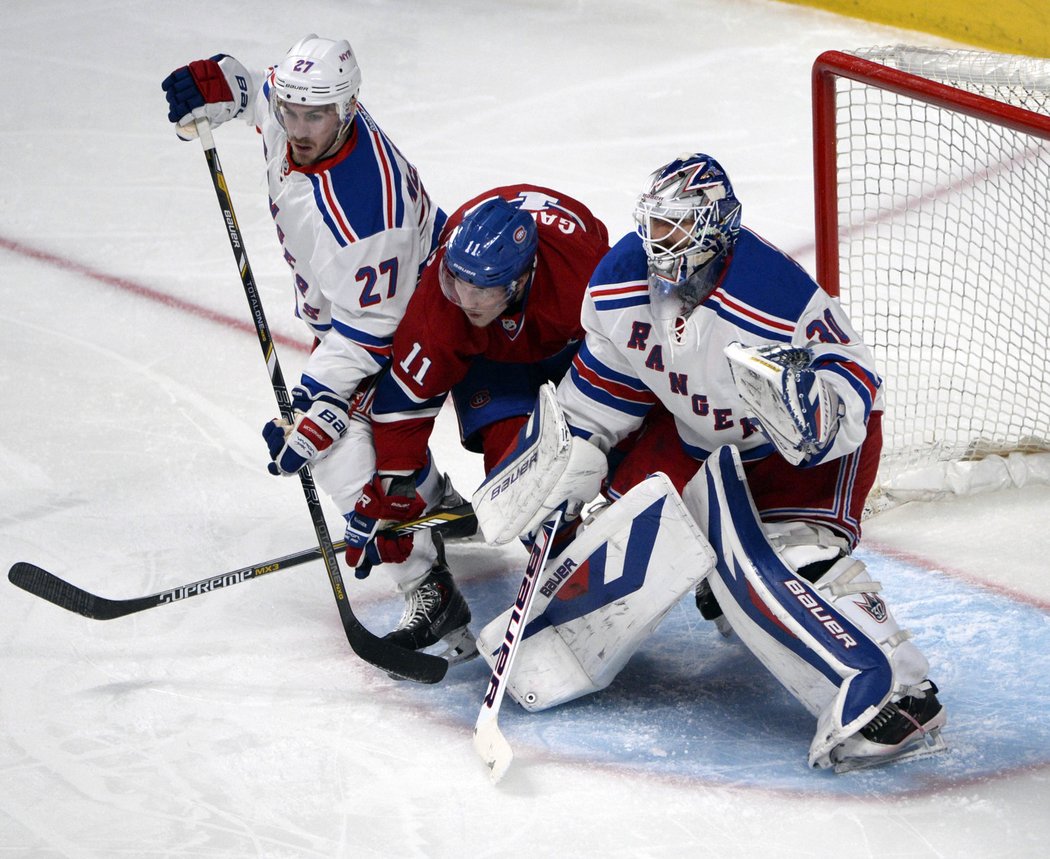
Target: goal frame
x=831, y=65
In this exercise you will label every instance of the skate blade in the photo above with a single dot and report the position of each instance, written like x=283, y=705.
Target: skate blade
x=459, y=646
x=456, y=647
x=929, y=744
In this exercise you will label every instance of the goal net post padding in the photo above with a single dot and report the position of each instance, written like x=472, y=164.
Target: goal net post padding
x=932, y=181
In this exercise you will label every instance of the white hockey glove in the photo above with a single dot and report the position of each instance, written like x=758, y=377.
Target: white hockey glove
x=321, y=419
x=795, y=407
x=219, y=87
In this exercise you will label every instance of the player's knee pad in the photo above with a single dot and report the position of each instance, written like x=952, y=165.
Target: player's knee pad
x=603, y=596
x=820, y=640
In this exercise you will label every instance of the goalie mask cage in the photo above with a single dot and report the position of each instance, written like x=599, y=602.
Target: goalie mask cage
x=932, y=178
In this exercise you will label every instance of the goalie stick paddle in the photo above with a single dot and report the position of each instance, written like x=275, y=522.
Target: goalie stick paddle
x=50, y=587
x=395, y=660
x=489, y=741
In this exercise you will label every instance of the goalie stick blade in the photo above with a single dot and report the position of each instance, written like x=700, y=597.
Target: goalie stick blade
x=490, y=744
x=492, y=747
x=50, y=587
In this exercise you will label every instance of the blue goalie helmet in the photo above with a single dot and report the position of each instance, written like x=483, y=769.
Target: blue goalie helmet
x=688, y=218
x=488, y=255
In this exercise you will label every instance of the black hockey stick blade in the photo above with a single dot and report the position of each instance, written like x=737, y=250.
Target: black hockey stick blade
x=395, y=660
x=50, y=587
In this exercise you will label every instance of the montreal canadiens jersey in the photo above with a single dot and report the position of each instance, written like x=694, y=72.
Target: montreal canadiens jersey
x=436, y=343
x=355, y=229
x=630, y=361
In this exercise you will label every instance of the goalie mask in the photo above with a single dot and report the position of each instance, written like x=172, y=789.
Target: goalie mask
x=488, y=260
x=689, y=220
x=314, y=73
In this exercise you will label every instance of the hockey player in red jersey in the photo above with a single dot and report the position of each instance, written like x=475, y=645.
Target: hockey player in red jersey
x=496, y=314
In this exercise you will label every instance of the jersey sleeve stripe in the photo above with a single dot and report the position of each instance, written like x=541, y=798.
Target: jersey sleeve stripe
x=630, y=386
x=608, y=387
x=378, y=347
x=587, y=385
x=864, y=382
x=619, y=296
x=751, y=318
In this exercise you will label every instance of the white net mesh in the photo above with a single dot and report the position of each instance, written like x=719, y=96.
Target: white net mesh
x=944, y=227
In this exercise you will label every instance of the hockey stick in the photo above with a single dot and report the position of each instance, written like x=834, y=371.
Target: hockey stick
x=489, y=741
x=50, y=587
x=395, y=660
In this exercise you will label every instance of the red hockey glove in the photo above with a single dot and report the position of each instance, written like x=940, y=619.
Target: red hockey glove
x=386, y=497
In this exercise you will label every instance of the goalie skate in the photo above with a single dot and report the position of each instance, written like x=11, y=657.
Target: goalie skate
x=903, y=730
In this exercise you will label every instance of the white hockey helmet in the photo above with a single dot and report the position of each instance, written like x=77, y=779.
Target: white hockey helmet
x=318, y=71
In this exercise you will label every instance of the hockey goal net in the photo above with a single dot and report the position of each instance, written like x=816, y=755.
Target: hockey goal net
x=932, y=176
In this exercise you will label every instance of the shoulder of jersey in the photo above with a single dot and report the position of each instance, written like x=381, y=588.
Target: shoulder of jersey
x=765, y=291
x=361, y=194
x=621, y=279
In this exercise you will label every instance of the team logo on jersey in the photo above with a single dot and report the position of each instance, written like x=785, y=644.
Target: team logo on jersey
x=509, y=324
x=874, y=606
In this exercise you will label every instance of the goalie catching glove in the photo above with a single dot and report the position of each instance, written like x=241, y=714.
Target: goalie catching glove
x=321, y=418
x=797, y=410
x=387, y=497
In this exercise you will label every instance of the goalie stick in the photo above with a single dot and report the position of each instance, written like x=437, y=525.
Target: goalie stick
x=394, y=660
x=489, y=741
x=50, y=587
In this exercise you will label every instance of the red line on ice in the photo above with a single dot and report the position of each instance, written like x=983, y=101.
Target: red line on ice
x=142, y=291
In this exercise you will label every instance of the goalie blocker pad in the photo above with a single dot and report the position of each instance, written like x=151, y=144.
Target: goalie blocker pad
x=828, y=663
x=603, y=596
x=547, y=469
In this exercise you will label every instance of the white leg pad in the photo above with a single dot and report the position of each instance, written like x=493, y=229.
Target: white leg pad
x=822, y=654
x=603, y=596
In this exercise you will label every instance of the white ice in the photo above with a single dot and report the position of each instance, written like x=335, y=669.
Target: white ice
x=239, y=723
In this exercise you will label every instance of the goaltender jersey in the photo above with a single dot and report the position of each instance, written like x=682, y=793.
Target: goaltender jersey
x=436, y=345
x=630, y=361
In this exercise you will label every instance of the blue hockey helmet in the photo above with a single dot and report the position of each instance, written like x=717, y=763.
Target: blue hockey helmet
x=688, y=218
x=487, y=258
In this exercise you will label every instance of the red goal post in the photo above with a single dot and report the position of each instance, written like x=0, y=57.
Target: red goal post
x=932, y=198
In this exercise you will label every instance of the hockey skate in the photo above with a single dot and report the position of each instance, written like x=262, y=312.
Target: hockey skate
x=461, y=529
x=907, y=728
x=436, y=612
x=710, y=609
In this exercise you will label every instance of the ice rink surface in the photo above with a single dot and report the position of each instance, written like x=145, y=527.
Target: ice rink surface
x=239, y=723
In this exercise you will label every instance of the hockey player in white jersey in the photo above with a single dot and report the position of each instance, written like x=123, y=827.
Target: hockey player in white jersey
x=356, y=226
x=712, y=357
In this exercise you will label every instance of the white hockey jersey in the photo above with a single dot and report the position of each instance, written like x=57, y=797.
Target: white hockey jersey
x=630, y=361
x=355, y=230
